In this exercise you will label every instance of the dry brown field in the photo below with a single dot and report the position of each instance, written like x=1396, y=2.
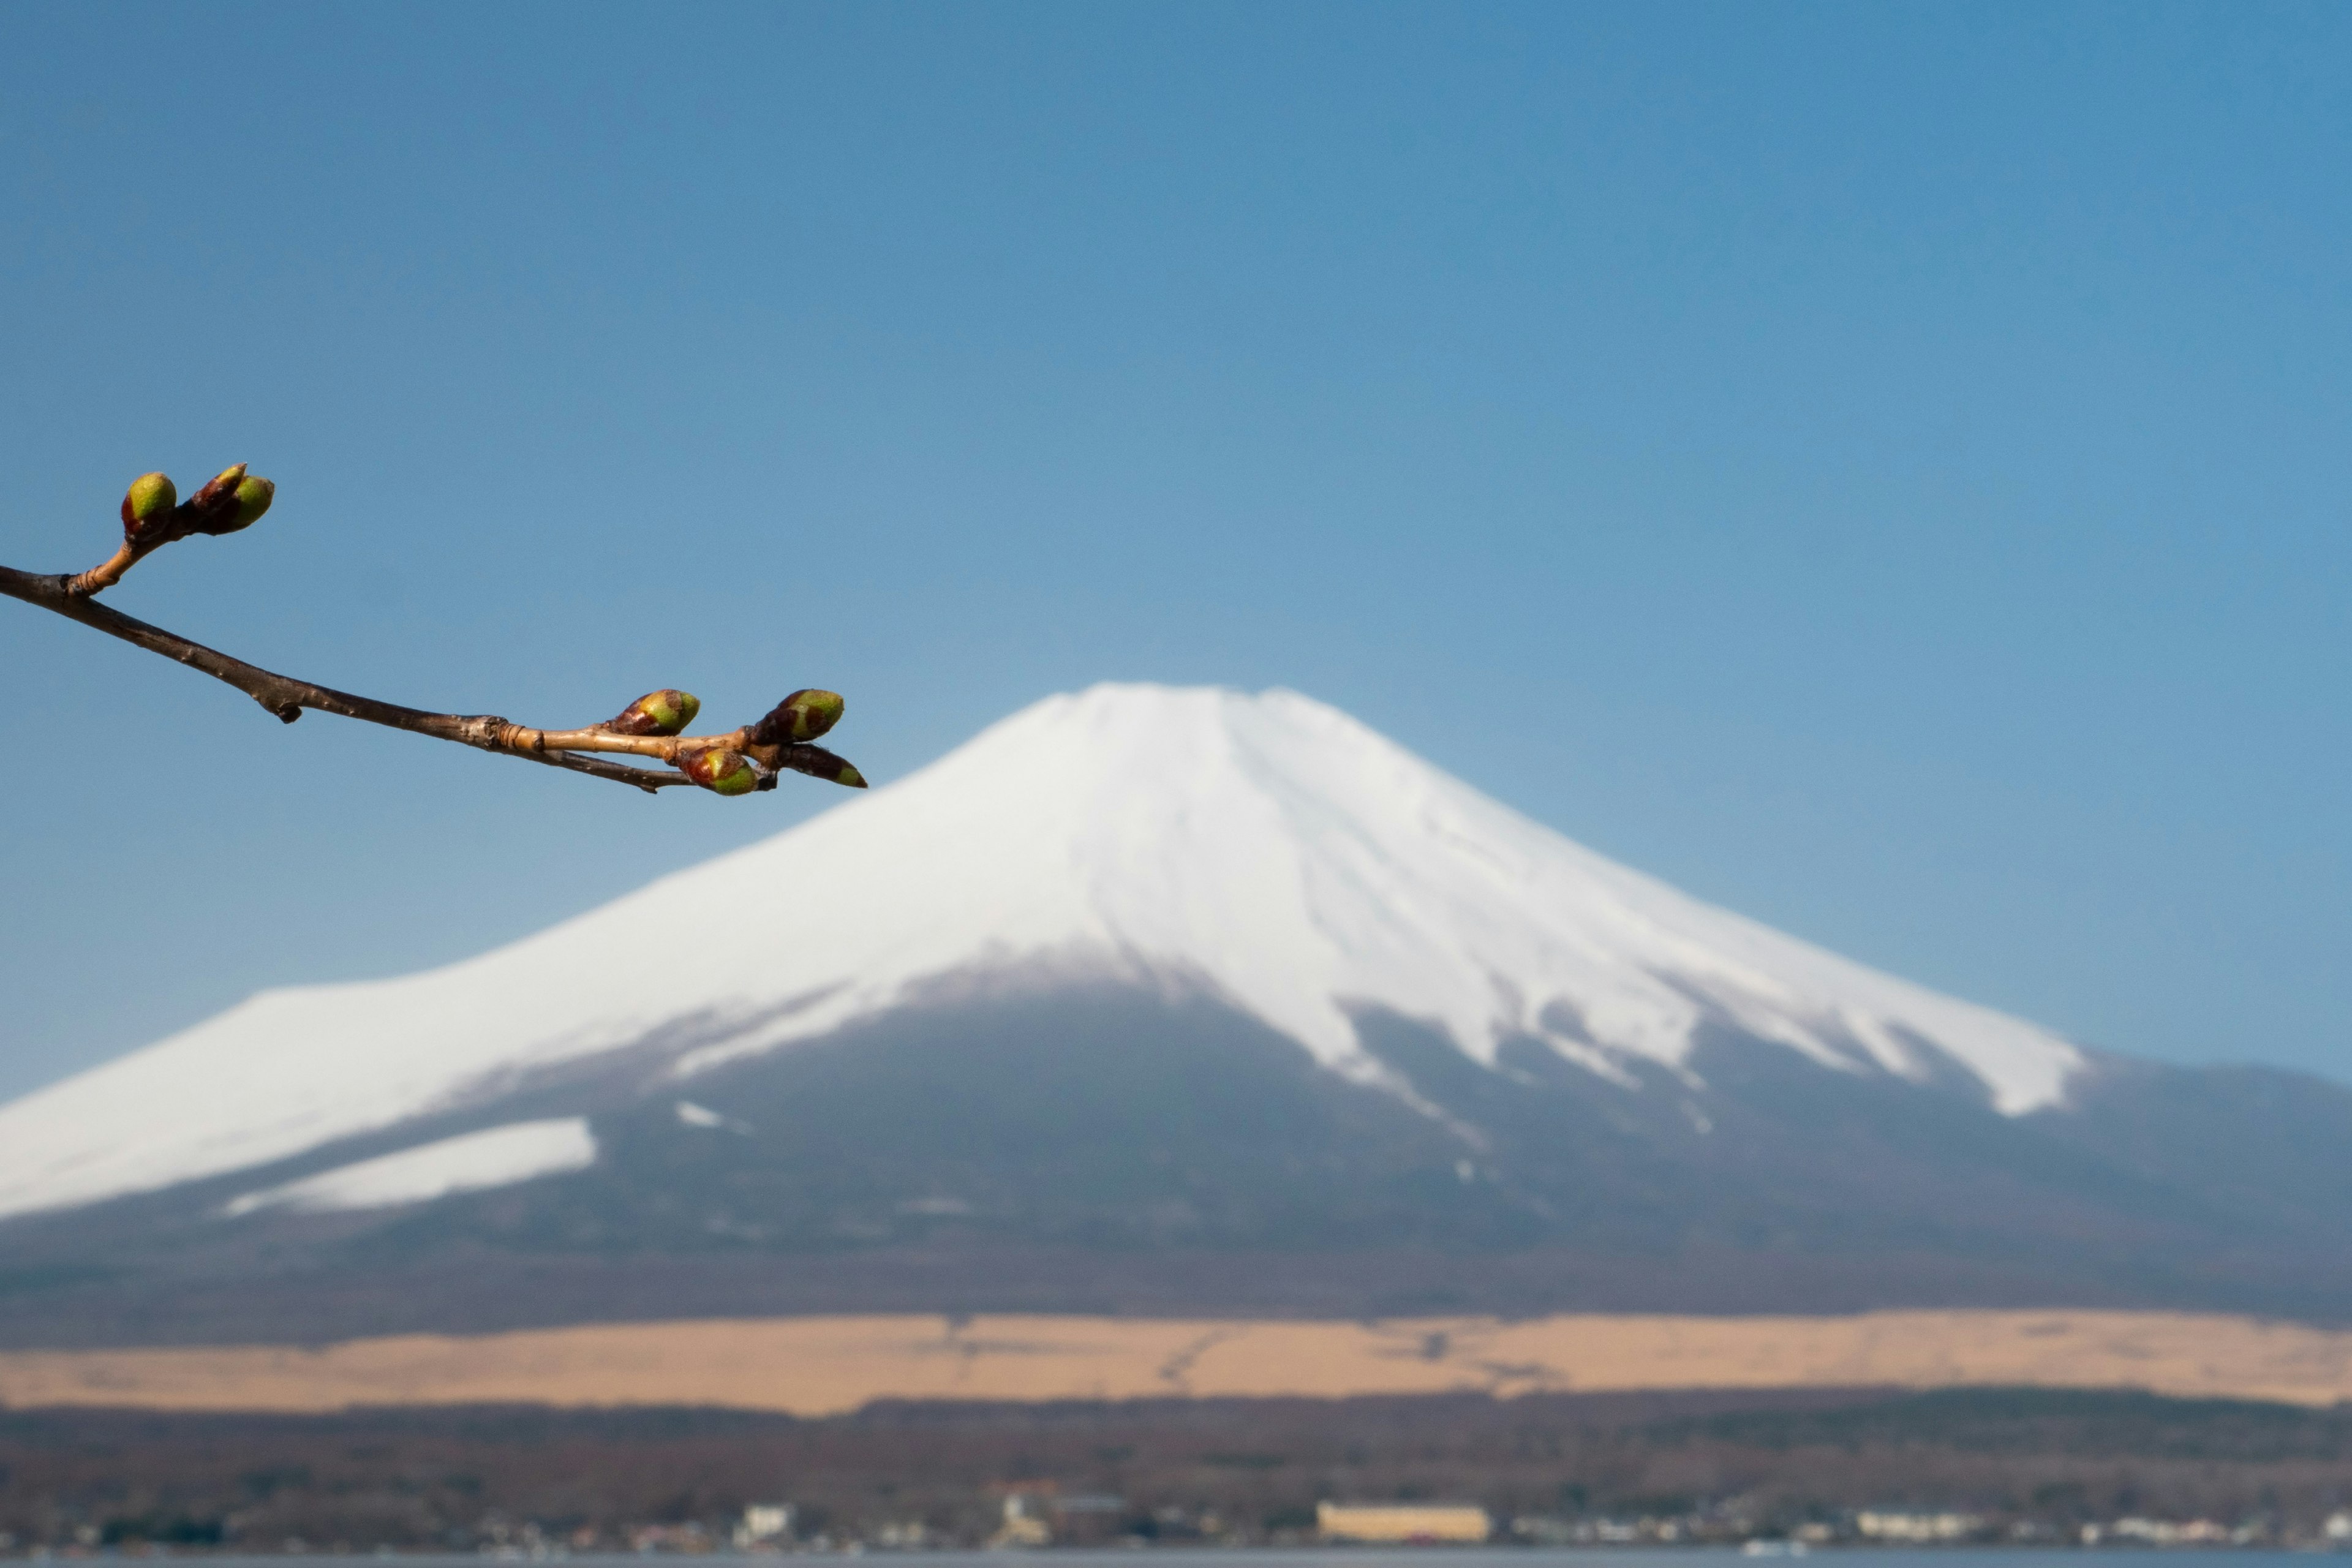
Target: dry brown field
x=828, y=1365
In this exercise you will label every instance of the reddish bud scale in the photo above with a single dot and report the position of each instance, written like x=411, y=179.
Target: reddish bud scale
x=215, y=491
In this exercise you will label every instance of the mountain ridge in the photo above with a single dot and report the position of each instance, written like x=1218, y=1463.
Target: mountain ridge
x=1269, y=850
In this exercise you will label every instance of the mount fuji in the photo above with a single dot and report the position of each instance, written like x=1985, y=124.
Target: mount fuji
x=1152, y=997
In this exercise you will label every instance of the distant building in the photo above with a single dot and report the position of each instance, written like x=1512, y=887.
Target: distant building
x=2171, y=1532
x=1022, y=1527
x=1402, y=1523
x=764, y=1522
x=1879, y=1524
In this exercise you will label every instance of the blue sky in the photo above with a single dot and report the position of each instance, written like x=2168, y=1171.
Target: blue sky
x=1880, y=468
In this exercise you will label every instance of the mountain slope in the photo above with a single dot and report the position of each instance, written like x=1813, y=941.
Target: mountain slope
x=1267, y=851
x=1158, y=1001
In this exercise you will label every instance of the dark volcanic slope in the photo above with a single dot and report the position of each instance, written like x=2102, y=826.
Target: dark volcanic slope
x=1118, y=1150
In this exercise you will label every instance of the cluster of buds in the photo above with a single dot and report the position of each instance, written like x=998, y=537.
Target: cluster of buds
x=781, y=739
x=153, y=513
x=737, y=762
x=654, y=727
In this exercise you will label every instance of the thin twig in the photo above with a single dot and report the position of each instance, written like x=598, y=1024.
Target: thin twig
x=285, y=697
x=105, y=575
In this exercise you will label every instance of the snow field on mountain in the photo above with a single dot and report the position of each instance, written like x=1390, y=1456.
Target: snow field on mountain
x=494, y=1157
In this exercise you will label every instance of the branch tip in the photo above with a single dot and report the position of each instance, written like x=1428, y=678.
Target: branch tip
x=738, y=763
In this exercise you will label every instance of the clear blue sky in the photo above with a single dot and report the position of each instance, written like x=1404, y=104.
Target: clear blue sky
x=1881, y=468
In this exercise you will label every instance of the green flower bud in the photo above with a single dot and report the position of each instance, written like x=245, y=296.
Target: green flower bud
x=253, y=498
x=664, y=712
x=802, y=716
x=149, y=501
x=721, y=771
x=229, y=501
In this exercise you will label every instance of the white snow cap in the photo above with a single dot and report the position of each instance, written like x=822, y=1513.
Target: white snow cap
x=1267, y=849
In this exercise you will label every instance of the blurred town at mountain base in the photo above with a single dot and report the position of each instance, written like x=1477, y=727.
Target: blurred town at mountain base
x=1780, y=1473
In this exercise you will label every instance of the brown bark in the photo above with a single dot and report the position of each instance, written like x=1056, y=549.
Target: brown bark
x=285, y=697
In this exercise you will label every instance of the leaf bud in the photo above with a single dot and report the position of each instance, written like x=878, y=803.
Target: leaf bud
x=247, y=503
x=664, y=712
x=818, y=763
x=147, y=502
x=720, y=770
x=802, y=716
x=229, y=501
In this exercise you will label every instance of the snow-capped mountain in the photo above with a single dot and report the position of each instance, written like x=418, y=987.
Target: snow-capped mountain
x=1185, y=999
x=1267, y=850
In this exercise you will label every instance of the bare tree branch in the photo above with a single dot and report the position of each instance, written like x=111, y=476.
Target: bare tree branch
x=731, y=764
x=285, y=697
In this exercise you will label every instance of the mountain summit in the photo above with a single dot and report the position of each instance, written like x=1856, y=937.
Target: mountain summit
x=1268, y=851
x=1142, y=972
